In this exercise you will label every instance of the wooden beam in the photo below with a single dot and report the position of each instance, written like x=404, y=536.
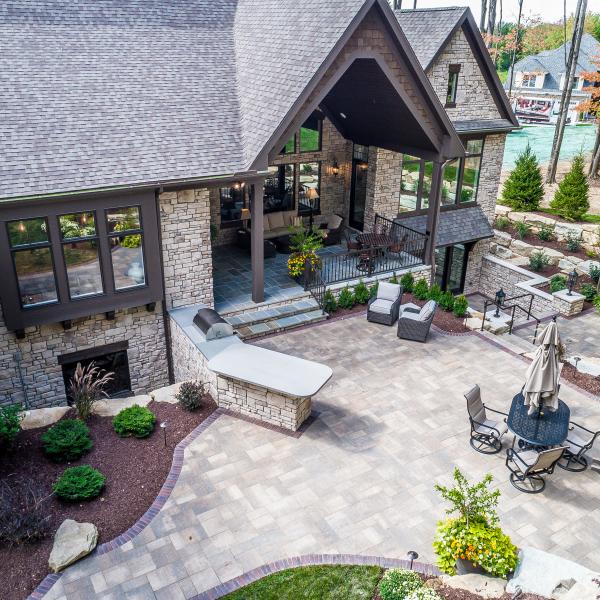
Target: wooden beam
x=257, y=243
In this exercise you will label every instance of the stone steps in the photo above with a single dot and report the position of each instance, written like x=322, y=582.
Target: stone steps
x=511, y=342
x=275, y=319
x=251, y=307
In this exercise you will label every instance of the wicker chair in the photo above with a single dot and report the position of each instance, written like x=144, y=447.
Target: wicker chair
x=527, y=467
x=579, y=441
x=414, y=325
x=486, y=434
x=384, y=308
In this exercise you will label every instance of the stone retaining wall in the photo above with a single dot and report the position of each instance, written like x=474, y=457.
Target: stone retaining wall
x=244, y=398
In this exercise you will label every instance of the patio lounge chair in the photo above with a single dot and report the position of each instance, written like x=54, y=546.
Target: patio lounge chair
x=486, y=434
x=527, y=467
x=579, y=441
x=413, y=325
x=385, y=307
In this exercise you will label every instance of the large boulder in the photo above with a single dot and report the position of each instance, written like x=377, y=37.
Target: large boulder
x=564, y=229
x=584, y=590
x=486, y=587
x=502, y=210
x=72, y=541
x=538, y=220
x=500, y=251
x=546, y=574
x=502, y=238
x=554, y=255
x=41, y=417
x=583, y=268
x=113, y=406
x=166, y=394
x=522, y=248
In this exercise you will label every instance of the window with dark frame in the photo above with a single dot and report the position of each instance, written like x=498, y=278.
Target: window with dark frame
x=453, y=72
x=415, y=184
x=290, y=146
x=33, y=262
x=232, y=201
x=279, y=188
x=309, y=188
x=528, y=80
x=311, y=133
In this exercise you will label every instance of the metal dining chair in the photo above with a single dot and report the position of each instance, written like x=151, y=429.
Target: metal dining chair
x=527, y=467
x=486, y=434
x=579, y=441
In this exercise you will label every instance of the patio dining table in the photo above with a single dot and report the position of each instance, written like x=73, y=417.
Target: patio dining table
x=546, y=428
x=369, y=240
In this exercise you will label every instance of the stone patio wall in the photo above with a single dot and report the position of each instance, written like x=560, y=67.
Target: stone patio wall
x=35, y=358
x=187, y=251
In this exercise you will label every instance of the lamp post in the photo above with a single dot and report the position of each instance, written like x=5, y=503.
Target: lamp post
x=500, y=295
x=573, y=276
x=163, y=426
x=311, y=195
x=412, y=556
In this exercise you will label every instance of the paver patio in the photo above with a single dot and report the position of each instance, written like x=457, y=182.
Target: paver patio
x=359, y=480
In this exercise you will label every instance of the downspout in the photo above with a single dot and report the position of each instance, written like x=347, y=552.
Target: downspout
x=165, y=313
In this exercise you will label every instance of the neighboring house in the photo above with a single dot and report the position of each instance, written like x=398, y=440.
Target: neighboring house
x=139, y=138
x=539, y=80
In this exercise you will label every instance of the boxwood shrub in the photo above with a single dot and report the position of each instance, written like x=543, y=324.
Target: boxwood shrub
x=67, y=440
x=137, y=421
x=79, y=483
x=190, y=395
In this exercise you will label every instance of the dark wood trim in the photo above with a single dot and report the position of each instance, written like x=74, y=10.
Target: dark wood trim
x=88, y=353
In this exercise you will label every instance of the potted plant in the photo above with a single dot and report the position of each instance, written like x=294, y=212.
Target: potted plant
x=304, y=244
x=472, y=541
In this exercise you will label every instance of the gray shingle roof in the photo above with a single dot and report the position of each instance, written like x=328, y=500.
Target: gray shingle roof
x=552, y=62
x=481, y=125
x=456, y=226
x=428, y=29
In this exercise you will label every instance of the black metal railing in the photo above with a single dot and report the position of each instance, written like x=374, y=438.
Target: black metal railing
x=313, y=283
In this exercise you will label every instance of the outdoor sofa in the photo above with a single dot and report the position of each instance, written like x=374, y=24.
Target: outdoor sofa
x=385, y=307
x=414, y=323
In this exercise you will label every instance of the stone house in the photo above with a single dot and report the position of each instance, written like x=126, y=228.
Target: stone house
x=139, y=141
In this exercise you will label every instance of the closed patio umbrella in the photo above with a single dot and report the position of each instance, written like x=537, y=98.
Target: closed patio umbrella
x=541, y=380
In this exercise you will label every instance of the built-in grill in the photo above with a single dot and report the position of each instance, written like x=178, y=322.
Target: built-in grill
x=212, y=324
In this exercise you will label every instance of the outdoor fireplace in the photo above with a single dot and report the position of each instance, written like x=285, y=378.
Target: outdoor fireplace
x=112, y=357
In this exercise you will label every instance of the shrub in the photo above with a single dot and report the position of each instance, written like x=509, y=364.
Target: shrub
x=523, y=190
x=424, y=593
x=394, y=278
x=523, y=229
x=435, y=292
x=346, y=298
x=501, y=222
x=557, y=283
x=10, y=423
x=361, y=293
x=329, y=302
x=191, y=394
x=398, y=584
x=591, y=254
x=23, y=517
x=572, y=241
x=588, y=290
x=594, y=272
x=461, y=304
x=373, y=290
x=79, y=483
x=407, y=281
x=137, y=421
x=571, y=198
x=421, y=290
x=539, y=260
x=597, y=302
x=86, y=387
x=447, y=301
x=67, y=440
x=546, y=232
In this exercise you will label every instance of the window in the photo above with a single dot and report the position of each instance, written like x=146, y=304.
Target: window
x=453, y=71
x=528, y=80
x=279, y=188
x=75, y=257
x=450, y=182
x=461, y=176
x=32, y=259
x=233, y=200
x=310, y=133
x=290, y=146
x=415, y=183
x=126, y=247
x=309, y=188
x=80, y=250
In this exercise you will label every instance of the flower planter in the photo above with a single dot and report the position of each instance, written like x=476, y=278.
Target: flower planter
x=466, y=567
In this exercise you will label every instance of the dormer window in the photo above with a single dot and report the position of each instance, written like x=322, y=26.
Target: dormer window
x=528, y=80
x=453, y=71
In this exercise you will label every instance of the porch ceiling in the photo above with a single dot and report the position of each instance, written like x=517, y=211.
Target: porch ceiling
x=368, y=109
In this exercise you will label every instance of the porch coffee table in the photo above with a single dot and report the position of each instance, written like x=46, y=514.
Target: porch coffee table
x=549, y=428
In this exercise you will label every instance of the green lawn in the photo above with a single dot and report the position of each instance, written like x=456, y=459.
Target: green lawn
x=587, y=218
x=323, y=582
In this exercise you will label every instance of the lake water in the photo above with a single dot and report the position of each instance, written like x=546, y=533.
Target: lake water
x=576, y=138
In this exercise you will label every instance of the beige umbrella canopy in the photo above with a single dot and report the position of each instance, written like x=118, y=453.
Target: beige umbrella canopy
x=541, y=380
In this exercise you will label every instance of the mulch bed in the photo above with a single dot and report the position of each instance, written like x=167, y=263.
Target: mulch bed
x=583, y=380
x=135, y=471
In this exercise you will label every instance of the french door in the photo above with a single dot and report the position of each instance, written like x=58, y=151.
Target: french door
x=451, y=267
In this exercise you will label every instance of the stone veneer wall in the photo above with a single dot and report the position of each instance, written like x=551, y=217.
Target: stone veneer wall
x=250, y=400
x=39, y=352
x=383, y=185
x=187, y=254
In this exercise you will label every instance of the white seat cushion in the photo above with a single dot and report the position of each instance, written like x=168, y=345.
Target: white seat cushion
x=288, y=217
x=410, y=315
x=388, y=291
x=409, y=307
x=266, y=225
x=381, y=306
x=427, y=310
x=276, y=220
x=334, y=221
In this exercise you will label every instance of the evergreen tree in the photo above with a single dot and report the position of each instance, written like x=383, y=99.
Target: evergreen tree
x=571, y=199
x=524, y=189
